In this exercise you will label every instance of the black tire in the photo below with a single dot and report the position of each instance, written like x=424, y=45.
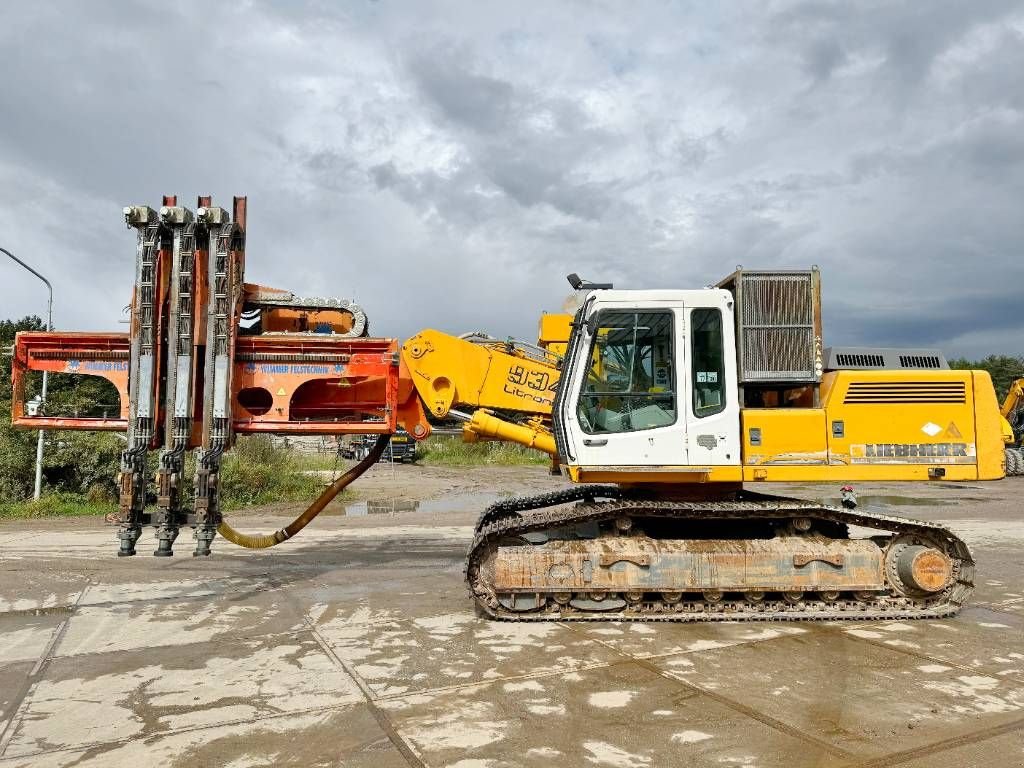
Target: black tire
x=1014, y=462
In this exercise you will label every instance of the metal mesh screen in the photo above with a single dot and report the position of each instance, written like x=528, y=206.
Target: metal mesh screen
x=778, y=354
x=778, y=333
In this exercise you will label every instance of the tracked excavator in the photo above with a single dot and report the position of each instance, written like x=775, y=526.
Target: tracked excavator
x=669, y=410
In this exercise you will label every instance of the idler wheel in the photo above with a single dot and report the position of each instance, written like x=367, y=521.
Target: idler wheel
x=924, y=569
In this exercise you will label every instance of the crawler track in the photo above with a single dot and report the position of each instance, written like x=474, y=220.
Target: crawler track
x=549, y=512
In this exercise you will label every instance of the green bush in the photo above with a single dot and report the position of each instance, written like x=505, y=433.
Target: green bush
x=451, y=451
x=78, y=462
x=17, y=459
x=256, y=472
x=73, y=462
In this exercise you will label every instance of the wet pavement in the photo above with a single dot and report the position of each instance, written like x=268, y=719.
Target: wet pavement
x=356, y=645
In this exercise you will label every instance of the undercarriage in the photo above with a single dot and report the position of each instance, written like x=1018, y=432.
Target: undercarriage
x=603, y=553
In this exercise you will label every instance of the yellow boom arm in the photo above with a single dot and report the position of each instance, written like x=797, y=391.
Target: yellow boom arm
x=490, y=376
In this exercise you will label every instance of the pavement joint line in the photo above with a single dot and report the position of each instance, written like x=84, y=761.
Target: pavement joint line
x=368, y=623
x=54, y=610
x=698, y=650
x=16, y=717
x=737, y=706
x=408, y=752
x=241, y=636
x=25, y=694
x=187, y=729
x=895, y=758
x=752, y=713
x=54, y=638
x=166, y=598
x=922, y=656
x=502, y=679
x=746, y=624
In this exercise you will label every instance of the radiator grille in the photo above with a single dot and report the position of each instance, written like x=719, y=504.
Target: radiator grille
x=778, y=325
x=774, y=354
x=881, y=392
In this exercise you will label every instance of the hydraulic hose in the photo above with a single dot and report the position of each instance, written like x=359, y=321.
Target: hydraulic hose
x=264, y=541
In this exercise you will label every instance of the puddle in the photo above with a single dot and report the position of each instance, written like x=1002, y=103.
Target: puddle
x=897, y=501
x=455, y=502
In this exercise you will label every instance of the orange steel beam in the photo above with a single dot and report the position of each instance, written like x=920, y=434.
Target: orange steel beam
x=311, y=384
x=91, y=354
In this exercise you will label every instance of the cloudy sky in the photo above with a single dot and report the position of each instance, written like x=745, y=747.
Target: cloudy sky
x=446, y=164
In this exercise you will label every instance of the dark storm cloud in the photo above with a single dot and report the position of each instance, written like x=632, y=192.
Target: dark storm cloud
x=447, y=163
x=481, y=103
x=908, y=35
x=523, y=143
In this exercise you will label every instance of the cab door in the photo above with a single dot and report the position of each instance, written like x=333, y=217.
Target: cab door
x=712, y=410
x=625, y=404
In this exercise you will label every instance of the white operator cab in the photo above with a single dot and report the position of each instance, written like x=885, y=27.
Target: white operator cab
x=652, y=382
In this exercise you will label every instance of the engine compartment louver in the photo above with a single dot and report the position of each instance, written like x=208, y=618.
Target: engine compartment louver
x=921, y=361
x=901, y=392
x=883, y=359
x=859, y=360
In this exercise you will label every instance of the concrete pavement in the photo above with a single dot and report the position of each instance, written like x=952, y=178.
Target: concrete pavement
x=356, y=645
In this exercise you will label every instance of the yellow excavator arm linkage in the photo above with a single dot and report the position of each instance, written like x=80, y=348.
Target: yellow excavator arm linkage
x=1014, y=400
x=448, y=373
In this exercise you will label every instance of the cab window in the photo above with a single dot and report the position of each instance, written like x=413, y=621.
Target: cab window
x=708, y=358
x=630, y=381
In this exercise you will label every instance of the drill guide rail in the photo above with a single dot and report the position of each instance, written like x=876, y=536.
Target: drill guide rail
x=209, y=357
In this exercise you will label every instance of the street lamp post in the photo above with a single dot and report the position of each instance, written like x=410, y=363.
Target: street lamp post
x=49, y=327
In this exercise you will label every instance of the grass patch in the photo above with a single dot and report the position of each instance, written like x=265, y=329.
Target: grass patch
x=320, y=462
x=55, y=505
x=451, y=451
x=254, y=473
